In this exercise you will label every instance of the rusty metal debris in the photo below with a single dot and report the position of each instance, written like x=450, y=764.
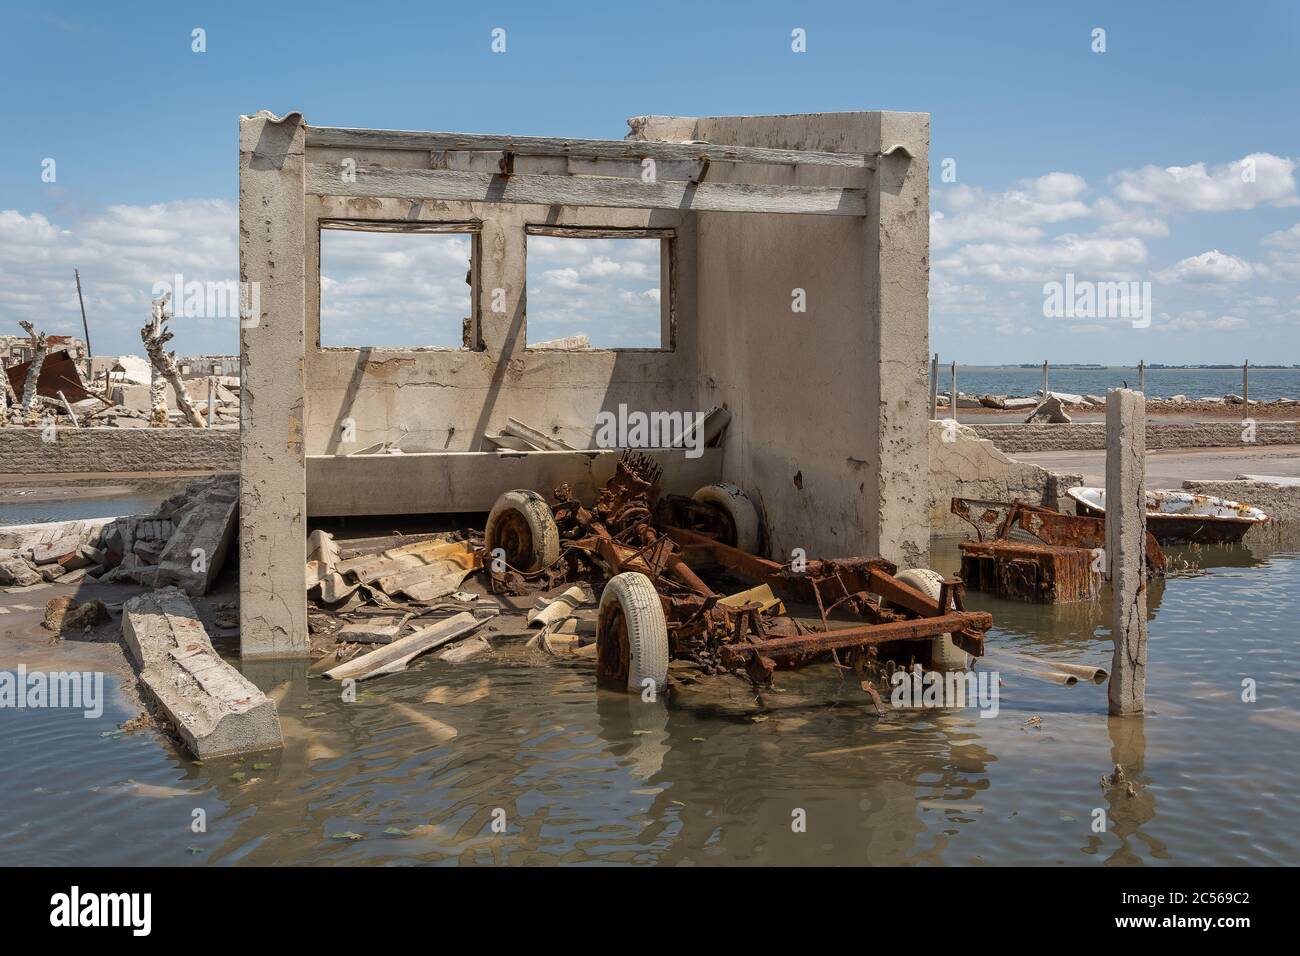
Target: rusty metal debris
x=1053, y=558
x=862, y=610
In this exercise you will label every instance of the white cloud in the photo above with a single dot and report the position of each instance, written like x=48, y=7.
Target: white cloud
x=1284, y=252
x=563, y=278
x=1092, y=256
x=121, y=251
x=1254, y=180
x=1200, y=321
x=1209, y=267
x=1015, y=215
x=1118, y=219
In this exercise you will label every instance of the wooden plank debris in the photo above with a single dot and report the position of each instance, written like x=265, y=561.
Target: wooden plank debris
x=395, y=656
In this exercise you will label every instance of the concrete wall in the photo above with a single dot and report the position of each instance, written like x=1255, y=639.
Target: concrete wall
x=23, y=450
x=828, y=404
x=1086, y=436
x=472, y=481
x=436, y=399
x=963, y=465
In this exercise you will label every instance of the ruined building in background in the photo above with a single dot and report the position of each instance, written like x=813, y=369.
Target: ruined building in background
x=793, y=294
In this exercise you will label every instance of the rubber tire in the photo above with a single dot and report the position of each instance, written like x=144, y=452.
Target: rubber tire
x=544, y=547
x=944, y=654
x=647, y=631
x=739, y=508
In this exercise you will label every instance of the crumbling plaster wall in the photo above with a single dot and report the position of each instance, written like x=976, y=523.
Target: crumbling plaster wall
x=829, y=404
x=963, y=465
x=433, y=399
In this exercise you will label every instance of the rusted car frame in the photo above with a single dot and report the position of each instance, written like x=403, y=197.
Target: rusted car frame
x=671, y=540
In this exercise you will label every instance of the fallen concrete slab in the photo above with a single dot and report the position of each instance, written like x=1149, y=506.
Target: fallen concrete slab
x=216, y=710
x=196, y=550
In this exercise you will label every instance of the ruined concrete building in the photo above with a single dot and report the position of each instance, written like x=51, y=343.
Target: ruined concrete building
x=794, y=294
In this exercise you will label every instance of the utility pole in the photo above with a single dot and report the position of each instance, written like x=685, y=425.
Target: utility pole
x=84, y=327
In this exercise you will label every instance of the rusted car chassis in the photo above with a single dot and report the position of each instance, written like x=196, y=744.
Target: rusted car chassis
x=670, y=540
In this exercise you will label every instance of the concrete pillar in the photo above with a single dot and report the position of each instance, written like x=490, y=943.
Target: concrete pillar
x=934, y=387
x=273, y=497
x=1126, y=441
x=898, y=271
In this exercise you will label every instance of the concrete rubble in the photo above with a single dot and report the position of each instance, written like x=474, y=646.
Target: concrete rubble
x=111, y=392
x=214, y=708
x=1051, y=410
x=185, y=541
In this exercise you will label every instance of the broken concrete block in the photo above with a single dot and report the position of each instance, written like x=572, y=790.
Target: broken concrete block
x=216, y=710
x=117, y=540
x=1051, y=410
x=149, y=551
x=16, y=572
x=197, y=550
x=84, y=557
x=58, y=550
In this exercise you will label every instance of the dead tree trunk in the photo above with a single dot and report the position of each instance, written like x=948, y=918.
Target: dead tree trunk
x=155, y=337
x=31, y=404
x=8, y=400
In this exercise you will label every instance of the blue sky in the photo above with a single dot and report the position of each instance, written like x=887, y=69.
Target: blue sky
x=134, y=119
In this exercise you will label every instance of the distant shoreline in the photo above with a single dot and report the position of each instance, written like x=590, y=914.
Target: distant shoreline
x=1093, y=367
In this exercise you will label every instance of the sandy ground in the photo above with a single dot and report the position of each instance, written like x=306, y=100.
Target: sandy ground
x=1170, y=467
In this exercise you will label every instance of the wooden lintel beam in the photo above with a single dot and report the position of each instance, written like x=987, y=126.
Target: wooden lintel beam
x=386, y=182
x=342, y=138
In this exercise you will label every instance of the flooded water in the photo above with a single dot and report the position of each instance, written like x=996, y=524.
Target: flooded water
x=62, y=502
x=567, y=775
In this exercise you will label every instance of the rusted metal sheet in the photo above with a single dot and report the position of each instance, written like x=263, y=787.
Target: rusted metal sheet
x=1050, y=574
x=59, y=373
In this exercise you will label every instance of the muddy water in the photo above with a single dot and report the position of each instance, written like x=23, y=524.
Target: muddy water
x=577, y=777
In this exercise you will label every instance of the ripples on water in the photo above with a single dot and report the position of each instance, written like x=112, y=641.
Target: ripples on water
x=582, y=777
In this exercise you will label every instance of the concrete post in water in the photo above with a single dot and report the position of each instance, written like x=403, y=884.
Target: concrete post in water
x=1044, y=380
x=1245, y=389
x=1126, y=525
x=934, y=387
x=1142, y=376
x=952, y=405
